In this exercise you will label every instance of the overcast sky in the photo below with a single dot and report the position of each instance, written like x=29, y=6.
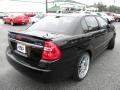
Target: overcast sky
x=89, y=2
x=14, y=6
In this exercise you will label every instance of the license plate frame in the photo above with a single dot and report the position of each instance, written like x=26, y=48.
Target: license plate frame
x=21, y=48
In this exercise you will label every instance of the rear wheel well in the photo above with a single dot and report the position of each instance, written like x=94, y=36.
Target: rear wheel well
x=89, y=52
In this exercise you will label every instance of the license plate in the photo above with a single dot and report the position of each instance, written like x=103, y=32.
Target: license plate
x=21, y=48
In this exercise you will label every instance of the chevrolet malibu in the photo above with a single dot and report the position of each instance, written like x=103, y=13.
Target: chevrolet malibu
x=60, y=46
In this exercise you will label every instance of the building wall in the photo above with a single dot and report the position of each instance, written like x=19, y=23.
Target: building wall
x=67, y=4
x=93, y=9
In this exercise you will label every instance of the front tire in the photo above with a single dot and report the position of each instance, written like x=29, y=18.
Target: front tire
x=111, y=44
x=82, y=67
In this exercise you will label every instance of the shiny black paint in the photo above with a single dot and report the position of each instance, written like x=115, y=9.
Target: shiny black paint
x=71, y=47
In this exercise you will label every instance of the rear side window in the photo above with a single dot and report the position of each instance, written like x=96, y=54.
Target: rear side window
x=102, y=22
x=92, y=23
x=84, y=24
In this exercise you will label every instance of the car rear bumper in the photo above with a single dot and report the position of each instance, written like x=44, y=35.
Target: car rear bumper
x=13, y=61
x=61, y=72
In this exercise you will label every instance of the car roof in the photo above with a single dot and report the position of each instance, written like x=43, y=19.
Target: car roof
x=76, y=15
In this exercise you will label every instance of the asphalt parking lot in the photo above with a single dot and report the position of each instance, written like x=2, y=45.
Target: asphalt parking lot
x=104, y=72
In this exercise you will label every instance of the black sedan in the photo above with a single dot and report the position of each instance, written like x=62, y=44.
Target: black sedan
x=60, y=46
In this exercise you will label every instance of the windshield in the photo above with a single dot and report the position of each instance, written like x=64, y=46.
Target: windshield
x=63, y=25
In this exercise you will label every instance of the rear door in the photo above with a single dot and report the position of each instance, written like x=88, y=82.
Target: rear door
x=97, y=35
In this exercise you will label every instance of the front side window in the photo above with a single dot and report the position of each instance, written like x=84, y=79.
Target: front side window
x=102, y=22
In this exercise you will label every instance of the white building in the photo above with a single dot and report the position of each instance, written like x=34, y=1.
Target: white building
x=92, y=9
x=66, y=4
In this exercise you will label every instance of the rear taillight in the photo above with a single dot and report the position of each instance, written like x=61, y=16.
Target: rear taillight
x=51, y=51
x=18, y=37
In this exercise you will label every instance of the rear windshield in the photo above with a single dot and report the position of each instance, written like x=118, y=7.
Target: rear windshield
x=63, y=25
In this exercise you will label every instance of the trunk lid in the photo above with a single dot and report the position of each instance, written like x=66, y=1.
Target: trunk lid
x=26, y=46
x=32, y=42
x=41, y=34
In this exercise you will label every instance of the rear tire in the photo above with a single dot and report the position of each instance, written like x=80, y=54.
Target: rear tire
x=33, y=22
x=82, y=67
x=111, y=44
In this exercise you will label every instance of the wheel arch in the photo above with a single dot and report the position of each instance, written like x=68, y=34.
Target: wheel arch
x=90, y=53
